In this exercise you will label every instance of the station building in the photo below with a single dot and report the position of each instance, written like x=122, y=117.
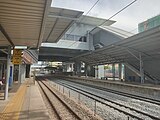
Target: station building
x=82, y=43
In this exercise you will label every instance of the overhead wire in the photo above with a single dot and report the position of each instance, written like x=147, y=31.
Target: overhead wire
x=85, y=16
x=112, y=16
x=118, y=12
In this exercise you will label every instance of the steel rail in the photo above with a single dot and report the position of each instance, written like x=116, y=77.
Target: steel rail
x=146, y=99
x=72, y=112
x=126, y=113
x=51, y=104
x=138, y=111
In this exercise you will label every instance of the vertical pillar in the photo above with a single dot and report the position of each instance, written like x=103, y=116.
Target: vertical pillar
x=120, y=71
x=78, y=67
x=28, y=71
x=96, y=71
x=72, y=67
x=12, y=72
x=11, y=76
x=19, y=75
x=141, y=68
x=1, y=71
x=8, y=73
x=22, y=69
x=113, y=71
x=86, y=70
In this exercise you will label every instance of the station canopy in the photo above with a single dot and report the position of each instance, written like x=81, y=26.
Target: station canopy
x=29, y=22
x=146, y=43
x=58, y=22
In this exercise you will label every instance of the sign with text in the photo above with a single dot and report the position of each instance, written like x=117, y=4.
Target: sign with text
x=17, y=53
x=17, y=56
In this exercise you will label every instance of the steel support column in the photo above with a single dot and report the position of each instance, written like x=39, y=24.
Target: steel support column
x=141, y=68
x=120, y=71
x=113, y=71
x=96, y=71
x=8, y=73
x=78, y=67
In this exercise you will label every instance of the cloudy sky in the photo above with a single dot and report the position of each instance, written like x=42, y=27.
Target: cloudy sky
x=127, y=20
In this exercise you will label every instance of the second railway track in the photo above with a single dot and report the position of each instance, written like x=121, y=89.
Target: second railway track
x=132, y=109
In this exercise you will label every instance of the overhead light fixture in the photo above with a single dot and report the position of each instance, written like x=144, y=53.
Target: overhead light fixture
x=20, y=47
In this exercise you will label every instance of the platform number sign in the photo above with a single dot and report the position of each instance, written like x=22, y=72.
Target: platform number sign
x=17, y=56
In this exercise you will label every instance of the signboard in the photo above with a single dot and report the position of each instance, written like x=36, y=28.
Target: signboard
x=17, y=53
x=17, y=60
x=17, y=56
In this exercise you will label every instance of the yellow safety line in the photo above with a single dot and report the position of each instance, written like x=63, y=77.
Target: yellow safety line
x=13, y=108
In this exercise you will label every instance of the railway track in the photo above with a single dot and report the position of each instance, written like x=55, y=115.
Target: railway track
x=97, y=97
x=145, y=99
x=61, y=109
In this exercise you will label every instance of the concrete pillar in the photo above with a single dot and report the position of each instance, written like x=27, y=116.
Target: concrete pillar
x=19, y=74
x=11, y=75
x=7, y=73
x=96, y=71
x=89, y=70
x=28, y=68
x=72, y=67
x=120, y=72
x=22, y=73
x=78, y=68
x=113, y=71
x=85, y=70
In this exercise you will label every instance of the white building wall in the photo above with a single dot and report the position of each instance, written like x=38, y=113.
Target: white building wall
x=79, y=30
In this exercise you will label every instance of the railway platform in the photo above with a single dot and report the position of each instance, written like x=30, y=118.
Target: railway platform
x=25, y=103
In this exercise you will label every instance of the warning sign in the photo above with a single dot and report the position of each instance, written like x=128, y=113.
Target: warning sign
x=17, y=56
x=17, y=60
x=17, y=53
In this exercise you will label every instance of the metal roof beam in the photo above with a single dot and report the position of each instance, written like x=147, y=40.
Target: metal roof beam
x=70, y=24
x=53, y=27
x=4, y=51
x=43, y=23
x=62, y=17
x=6, y=35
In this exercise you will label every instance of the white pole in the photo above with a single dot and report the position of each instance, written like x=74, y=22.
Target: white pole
x=8, y=73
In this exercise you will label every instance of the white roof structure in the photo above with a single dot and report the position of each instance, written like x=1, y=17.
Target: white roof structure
x=22, y=22
x=58, y=22
x=117, y=31
x=147, y=43
x=29, y=22
x=113, y=30
x=95, y=21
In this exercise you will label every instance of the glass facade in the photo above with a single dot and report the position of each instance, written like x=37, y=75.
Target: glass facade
x=150, y=23
x=74, y=38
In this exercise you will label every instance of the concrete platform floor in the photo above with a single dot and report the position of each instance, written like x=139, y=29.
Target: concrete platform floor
x=33, y=106
x=24, y=104
x=12, y=92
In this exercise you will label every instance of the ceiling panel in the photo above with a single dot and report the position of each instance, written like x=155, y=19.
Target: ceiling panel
x=23, y=20
x=58, y=22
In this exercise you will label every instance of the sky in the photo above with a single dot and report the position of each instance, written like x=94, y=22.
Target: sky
x=128, y=19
